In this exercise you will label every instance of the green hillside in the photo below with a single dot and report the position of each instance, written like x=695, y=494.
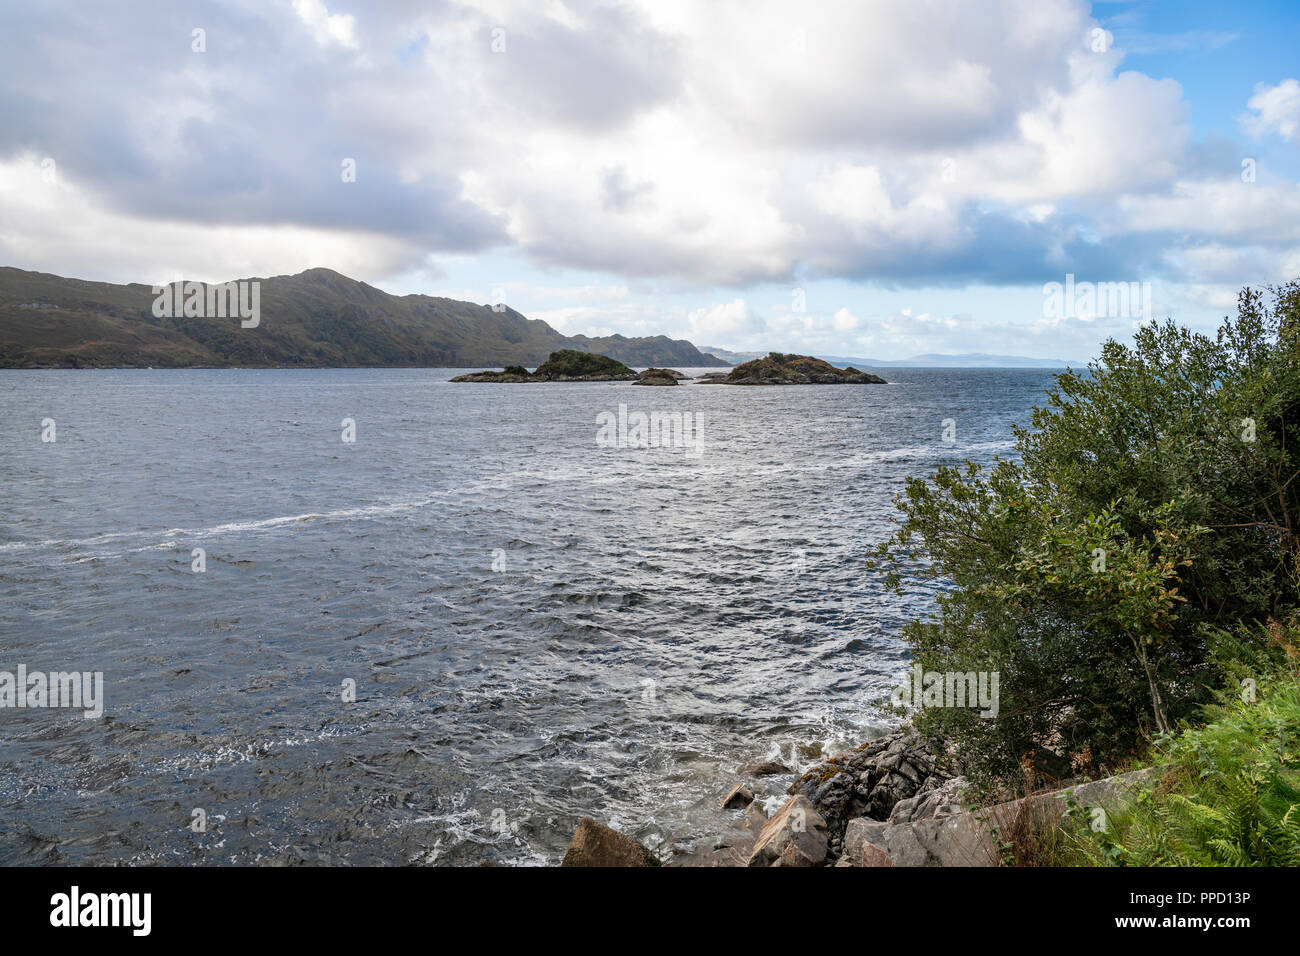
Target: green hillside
x=315, y=319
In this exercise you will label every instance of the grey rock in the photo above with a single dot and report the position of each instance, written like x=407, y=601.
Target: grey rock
x=943, y=799
x=936, y=831
x=764, y=768
x=795, y=836
x=870, y=781
x=595, y=844
x=740, y=796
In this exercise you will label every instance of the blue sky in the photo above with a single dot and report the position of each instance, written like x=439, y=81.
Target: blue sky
x=868, y=180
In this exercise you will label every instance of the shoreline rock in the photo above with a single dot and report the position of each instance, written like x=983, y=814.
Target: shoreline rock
x=595, y=844
x=894, y=771
x=764, y=768
x=739, y=797
x=794, y=836
x=981, y=837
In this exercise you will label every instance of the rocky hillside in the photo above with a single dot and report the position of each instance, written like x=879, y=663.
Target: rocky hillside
x=315, y=319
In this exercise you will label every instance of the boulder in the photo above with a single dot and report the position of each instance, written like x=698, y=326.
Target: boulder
x=740, y=796
x=764, y=768
x=951, y=836
x=595, y=844
x=859, y=851
x=795, y=836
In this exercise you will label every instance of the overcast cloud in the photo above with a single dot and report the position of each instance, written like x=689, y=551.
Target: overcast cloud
x=703, y=151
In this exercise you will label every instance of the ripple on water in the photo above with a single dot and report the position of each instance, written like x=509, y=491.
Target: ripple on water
x=537, y=628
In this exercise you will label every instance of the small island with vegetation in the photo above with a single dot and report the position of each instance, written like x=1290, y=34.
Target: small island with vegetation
x=565, y=365
x=571, y=365
x=660, y=376
x=781, y=369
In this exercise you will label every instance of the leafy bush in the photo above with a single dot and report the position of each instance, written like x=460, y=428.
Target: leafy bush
x=1151, y=507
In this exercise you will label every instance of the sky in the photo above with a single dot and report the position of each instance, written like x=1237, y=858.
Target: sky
x=859, y=179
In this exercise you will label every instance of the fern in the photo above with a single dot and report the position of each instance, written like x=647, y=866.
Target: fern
x=1231, y=796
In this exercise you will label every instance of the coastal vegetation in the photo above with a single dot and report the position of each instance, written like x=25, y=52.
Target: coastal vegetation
x=1131, y=574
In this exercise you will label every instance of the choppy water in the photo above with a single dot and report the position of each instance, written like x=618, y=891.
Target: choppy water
x=654, y=618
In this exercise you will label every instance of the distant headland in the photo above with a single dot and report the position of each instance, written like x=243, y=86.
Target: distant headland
x=315, y=319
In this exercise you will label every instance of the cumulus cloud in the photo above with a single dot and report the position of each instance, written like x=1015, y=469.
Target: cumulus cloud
x=1275, y=109
x=51, y=224
x=711, y=147
x=728, y=320
x=326, y=27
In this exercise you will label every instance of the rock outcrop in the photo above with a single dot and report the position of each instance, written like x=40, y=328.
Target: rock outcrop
x=874, y=779
x=979, y=837
x=595, y=844
x=658, y=376
x=779, y=369
x=566, y=365
x=764, y=768
x=895, y=802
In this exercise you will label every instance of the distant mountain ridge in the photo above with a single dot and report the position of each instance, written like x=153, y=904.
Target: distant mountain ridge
x=932, y=360
x=735, y=358
x=315, y=319
x=962, y=360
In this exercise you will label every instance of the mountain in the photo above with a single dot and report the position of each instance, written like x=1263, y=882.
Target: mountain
x=733, y=358
x=967, y=360
x=314, y=319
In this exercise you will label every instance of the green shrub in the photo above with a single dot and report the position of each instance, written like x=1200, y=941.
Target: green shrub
x=1150, y=509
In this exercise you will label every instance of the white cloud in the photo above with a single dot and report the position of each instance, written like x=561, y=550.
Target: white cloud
x=845, y=321
x=705, y=148
x=60, y=227
x=1276, y=109
x=1220, y=210
x=326, y=27
x=728, y=320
